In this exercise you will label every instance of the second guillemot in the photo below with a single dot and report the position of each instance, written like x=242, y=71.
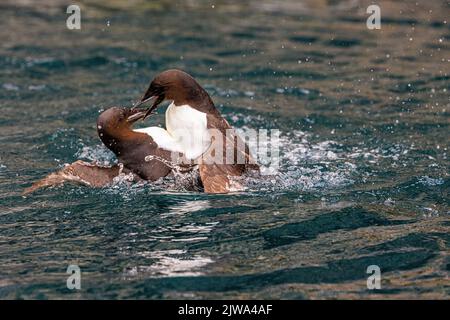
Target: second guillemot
x=132, y=148
x=190, y=119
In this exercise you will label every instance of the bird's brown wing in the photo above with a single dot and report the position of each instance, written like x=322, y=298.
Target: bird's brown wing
x=81, y=172
x=231, y=140
x=216, y=176
x=214, y=179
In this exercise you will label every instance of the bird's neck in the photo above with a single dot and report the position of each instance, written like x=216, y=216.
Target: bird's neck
x=118, y=139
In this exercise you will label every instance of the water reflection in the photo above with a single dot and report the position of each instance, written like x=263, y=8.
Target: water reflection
x=168, y=263
x=187, y=207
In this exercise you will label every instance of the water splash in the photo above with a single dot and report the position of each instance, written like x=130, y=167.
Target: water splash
x=303, y=166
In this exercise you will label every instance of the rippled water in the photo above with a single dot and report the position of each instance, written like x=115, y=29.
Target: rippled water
x=364, y=177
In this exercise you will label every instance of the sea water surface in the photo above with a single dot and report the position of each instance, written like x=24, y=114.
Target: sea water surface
x=364, y=170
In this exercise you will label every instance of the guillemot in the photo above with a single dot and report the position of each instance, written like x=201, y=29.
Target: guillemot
x=190, y=119
x=139, y=156
x=133, y=148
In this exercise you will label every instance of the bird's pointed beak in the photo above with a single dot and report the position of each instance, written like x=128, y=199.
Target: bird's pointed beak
x=144, y=114
x=154, y=93
x=144, y=100
x=136, y=114
x=156, y=101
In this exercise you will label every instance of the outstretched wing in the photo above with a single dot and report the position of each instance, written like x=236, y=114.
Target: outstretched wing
x=79, y=172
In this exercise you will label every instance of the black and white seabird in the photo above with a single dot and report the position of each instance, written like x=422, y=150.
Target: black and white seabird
x=189, y=118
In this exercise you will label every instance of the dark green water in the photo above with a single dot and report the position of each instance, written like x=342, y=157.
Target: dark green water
x=364, y=177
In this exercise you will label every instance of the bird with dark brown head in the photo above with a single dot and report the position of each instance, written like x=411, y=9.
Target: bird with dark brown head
x=114, y=125
x=131, y=147
x=190, y=119
x=179, y=87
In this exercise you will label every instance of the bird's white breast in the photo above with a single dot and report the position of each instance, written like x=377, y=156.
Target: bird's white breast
x=188, y=127
x=186, y=131
x=162, y=138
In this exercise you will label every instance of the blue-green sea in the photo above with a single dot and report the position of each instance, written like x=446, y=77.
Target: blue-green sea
x=364, y=118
